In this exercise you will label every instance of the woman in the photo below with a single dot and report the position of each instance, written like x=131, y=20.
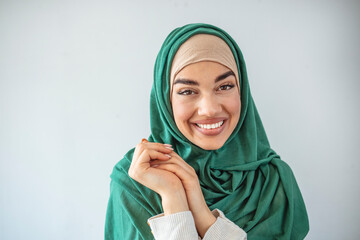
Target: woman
x=207, y=170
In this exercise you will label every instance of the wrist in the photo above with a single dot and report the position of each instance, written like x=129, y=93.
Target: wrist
x=174, y=202
x=204, y=219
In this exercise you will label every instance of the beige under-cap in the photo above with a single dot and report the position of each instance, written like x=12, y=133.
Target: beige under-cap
x=203, y=47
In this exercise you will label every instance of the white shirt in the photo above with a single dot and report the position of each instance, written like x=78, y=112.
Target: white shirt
x=180, y=226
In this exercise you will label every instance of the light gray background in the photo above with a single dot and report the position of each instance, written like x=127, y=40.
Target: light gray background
x=75, y=79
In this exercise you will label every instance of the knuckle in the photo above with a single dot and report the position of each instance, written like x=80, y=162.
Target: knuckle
x=160, y=145
x=132, y=173
x=146, y=151
x=140, y=146
x=193, y=178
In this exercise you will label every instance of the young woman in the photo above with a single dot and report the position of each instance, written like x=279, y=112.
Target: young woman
x=207, y=170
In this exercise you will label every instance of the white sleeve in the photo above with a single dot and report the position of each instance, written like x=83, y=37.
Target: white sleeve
x=223, y=228
x=177, y=226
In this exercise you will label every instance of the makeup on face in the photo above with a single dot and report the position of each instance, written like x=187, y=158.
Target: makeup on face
x=206, y=103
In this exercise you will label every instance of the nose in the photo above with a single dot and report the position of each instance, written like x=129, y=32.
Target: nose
x=209, y=106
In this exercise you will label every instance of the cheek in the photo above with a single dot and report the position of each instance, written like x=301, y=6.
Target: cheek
x=182, y=112
x=234, y=106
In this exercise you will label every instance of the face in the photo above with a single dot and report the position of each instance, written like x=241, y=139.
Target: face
x=206, y=103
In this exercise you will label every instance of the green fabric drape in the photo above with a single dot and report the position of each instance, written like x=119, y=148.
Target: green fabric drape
x=245, y=178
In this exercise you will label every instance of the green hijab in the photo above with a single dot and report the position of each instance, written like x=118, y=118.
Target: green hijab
x=245, y=178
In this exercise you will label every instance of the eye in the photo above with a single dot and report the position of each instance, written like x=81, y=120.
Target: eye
x=226, y=87
x=186, y=92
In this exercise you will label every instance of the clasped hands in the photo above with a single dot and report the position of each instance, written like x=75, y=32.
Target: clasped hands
x=158, y=167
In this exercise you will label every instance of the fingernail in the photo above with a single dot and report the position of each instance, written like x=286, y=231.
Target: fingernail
x=169, y=148
x=156, y=165
x=168, y=155
x=169, y=145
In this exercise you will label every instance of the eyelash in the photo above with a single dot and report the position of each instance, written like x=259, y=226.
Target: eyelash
x=228, y=87
x=187, y=92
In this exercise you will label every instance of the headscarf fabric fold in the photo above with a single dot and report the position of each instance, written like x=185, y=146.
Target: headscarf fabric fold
x=245, y=178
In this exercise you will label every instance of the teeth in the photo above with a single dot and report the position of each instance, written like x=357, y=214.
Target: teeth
x=210, y=126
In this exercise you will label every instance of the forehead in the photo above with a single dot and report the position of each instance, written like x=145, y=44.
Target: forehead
x=205, y=70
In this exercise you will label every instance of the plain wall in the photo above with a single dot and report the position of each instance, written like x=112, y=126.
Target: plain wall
x=75, y=79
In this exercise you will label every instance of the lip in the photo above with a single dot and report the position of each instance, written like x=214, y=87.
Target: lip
x=210, y=121
x=210, y=132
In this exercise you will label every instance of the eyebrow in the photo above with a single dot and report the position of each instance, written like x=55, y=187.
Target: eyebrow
x=195, y=83
x=224, y=75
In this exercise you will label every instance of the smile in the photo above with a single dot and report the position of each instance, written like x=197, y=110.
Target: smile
x=210, y=126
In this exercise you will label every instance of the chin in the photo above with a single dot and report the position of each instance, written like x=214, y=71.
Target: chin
x=210, y=146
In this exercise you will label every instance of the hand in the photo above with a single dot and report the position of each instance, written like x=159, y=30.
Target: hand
x=165, y=183
x=189, y=179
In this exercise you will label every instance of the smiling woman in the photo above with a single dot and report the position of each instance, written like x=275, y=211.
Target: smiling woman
x=205, y=95
x=206, y=109
x=207, y=170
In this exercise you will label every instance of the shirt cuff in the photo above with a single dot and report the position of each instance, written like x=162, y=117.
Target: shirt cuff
x=223, y=228
x=175, y=226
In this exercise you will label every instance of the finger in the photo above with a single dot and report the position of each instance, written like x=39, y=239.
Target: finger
x=144, y=140
x=165, y=148
x=175, y=159
x=142, y=164
x=181, y=173
x=176, y=166
x=182, y=162
x=150, y=146
x=151, y=155
x=143, y=159
x=158, y=162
